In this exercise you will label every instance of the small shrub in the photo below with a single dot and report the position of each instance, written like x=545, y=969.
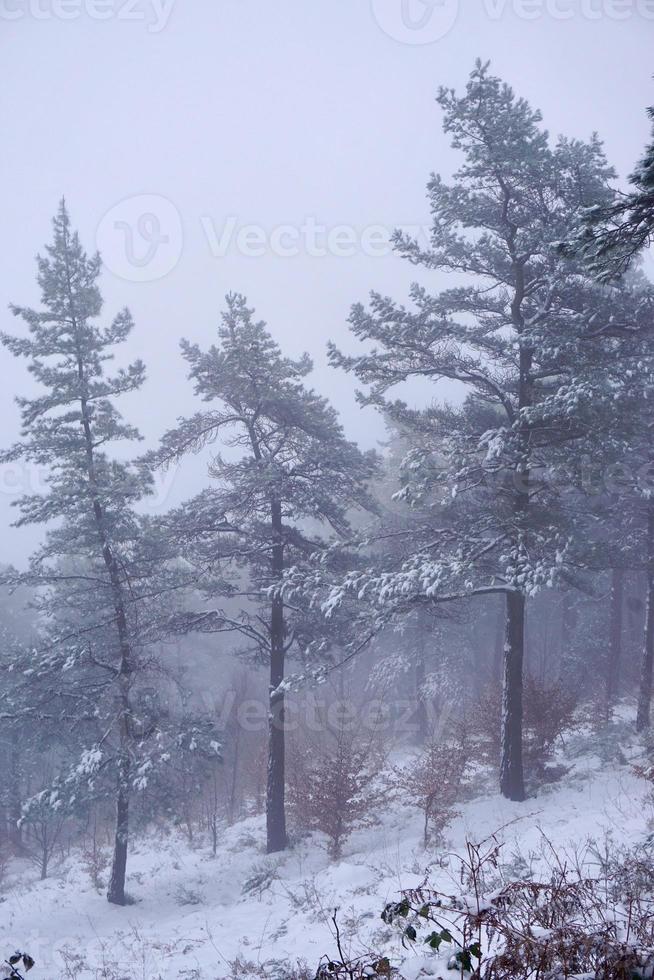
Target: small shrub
x=95, y=861
x=487, y=725
x=570, y=924
x=336, y=790
x=43, y=825
x=185, y=895
x=260, y=879
x=549, y=712
x=341, y=966
x=240, y=969
x=432, y=782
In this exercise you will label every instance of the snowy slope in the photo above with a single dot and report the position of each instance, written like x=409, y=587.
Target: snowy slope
x=194, y=915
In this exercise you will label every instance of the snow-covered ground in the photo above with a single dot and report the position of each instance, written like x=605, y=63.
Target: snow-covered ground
x=194, y=915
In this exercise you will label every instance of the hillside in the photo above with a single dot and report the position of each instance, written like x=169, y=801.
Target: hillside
x=194, y=916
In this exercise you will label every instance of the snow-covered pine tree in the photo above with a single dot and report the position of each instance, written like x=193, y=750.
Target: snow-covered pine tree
x=628, y=511
x=611, y=239
x=20, y=737
x=613, y=507
x=282, y=494
x=613, y=236
x=643, y=716
x=417, y=638
x=88, y=508
x=535, y=345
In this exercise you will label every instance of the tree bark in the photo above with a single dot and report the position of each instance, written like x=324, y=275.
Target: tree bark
x=511, y=770
x=422, y=716
x=231, y=802
x=275, y=789
x=14, y=806
x=645, y=691
x=498, y=651
x=615, y=641
x=116, y=891
x=422, y=722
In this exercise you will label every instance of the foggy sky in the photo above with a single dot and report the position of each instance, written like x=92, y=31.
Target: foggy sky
x=281, y=118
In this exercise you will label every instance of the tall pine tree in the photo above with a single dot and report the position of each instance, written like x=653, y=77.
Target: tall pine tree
x=537, y=348
x=88, y=507
x=283, y=491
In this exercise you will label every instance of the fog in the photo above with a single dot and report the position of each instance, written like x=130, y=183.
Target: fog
x=327, y=489
x=225, y=117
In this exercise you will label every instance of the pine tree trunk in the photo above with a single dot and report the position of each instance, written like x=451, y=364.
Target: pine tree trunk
x=116, y=892
x=615, y=641
x=479, y=651
x=14, y=808
x=422, y=715
x=275, y=790
x=511, y=771
x=44, y=861
x=498, y=652
x=645, y=691
x=422, y=722
x=231, y=803
x=566, y=608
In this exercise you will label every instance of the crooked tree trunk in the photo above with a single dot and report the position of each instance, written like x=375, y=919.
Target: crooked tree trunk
x=645, y=691
x=275, y=789
x=615, y=641
x=511, y=771
x=116, y=891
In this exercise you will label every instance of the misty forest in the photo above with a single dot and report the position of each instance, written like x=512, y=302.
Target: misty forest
x=344, y=708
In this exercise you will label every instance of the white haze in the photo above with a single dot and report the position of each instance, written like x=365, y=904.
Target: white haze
x=266, y=115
